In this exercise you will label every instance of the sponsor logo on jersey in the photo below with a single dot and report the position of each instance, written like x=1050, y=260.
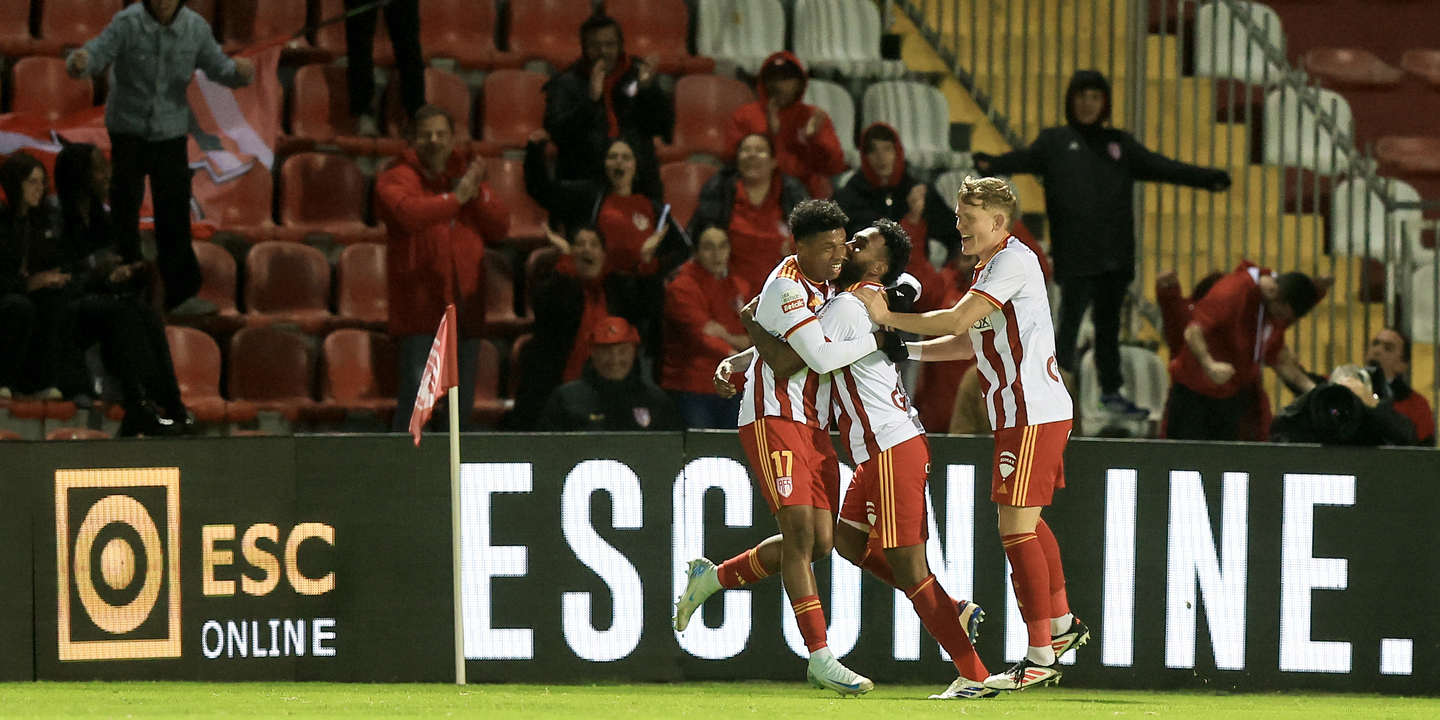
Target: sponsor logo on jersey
x=1007, y=464
x=785, y=485
x=791, y=300
x=870, y=512
x=1051, y=369
x=982, y=324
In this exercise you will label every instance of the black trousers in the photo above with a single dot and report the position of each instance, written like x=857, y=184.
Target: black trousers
x=402, y=19
x=17, y=327
x=413, y=351
x=1106, y=295
x=1193, y=416
x=133, y=347
x=167, y=164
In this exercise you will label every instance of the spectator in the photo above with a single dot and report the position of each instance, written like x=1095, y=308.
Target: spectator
x=111, y=309
x=751, y=201
x=402, y=19
x=1389, y=361
x=625, y=203
x=612, y=395
x=884, y=188
x=603, y=95
x=155, y=46
x=802, y=135
x=570, y=302
x=1237, y=326
x=439, y=214
x=1089, y=171
x=33, y=281
x=1344, y=411
x=702, y=327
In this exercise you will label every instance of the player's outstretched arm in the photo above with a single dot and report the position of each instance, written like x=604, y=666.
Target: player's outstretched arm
x=951, y=321
x=942, y=349
x=822, y=355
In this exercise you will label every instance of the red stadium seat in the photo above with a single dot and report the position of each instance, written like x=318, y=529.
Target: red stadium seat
x=548, y=30
x=1422, y=63
x=360, y=372
x=324, y=194
x=76, y=433
x=659, y=27
x=10, y=435
x=249, y=22
x=287, y=282
x=197, y=368
x=1409, y=155
x=362, y=298
x=15, y=38
x=444, y=89
x=1351, y=67
x=71, y=23
x=500, y=317
x=683, y=181
x=320, y=112
x=506, y=177
x=703, y=106
x=272, y=370
x=515, y=349
x=241, y=206
x=217, y=270
x=42, y=88
x=464, y=31
x=514, y=107
x=489, y=408
x=331, y=38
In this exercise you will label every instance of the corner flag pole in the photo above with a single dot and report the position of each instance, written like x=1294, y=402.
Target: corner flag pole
x=455, y=533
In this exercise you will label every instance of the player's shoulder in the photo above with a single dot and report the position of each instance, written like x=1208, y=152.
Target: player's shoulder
x=1015, y=257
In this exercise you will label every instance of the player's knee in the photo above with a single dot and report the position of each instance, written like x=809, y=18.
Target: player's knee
x=820, y=549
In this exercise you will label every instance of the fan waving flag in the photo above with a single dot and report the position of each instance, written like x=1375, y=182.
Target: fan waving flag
x=441, y=373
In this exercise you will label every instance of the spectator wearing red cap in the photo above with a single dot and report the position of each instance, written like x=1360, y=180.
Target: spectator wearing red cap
x=702, y=327
x=439, y=214
x=806, y=146
x=612, y=395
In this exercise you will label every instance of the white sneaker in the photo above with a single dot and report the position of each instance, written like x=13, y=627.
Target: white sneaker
x=702, y=582
x=1025, y=674
x=829, y=673
x=963, y=689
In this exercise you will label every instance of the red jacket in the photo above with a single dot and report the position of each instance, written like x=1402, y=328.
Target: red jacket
x=813, y=161
x=1417, y=408
x=693, y=298
x=1236, y=331
x=435, y=246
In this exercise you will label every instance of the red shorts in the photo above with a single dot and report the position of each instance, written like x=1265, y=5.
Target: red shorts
x=887, y=494
x=795, y=464
x=1029, y=463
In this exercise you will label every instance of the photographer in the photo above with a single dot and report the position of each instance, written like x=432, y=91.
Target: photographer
x=1344, y=411
x=1388, y=361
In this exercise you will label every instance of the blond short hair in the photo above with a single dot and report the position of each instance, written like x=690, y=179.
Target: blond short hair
x=990, y=194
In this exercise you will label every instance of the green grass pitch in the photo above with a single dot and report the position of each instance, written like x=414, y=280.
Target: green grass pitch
x=641, y=702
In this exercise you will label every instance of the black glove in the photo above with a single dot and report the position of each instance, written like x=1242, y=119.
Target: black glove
x=1221, y=181
x=893, y=347
x=901, y=297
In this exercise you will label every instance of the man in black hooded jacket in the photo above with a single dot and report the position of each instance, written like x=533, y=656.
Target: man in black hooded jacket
x=1089, y=171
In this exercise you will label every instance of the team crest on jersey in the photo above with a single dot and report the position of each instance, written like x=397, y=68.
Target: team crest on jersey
x=870, y=512
x=642, y=222
x=791, y=300
x=982, y=324
x=785, y=486
x=642, y=417
x=1007, y=464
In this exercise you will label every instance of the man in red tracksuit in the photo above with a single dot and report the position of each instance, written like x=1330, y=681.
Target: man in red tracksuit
x=805, y=143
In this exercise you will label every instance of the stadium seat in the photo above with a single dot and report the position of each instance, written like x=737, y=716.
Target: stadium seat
x=320, y=112
x=76, y=433
x=1417, y=155
x=362, y=297
x=1422, y=63
x=506, y=177
x=1419, y=303
x=10, y=435
x=40, y=87
x=442, y=88
x=488, y=407
x=842, y=36
x=1293, y=136
x=500, y=317
x=273, y=370
x=1358, y=221
x=835, y=100
x=548, y=30
x=741, y=32
x=1224, y=47
x=242, y=206
x=464, y=31
x=15, y=38
x=250, y=22
x=703, y=106
x=71, y=23
x=921, y=115
x=324, y=194
x=197, y=368
x=683, y=181
x=287, y=282
x=659, y=27
x=360, y=372
x=331, y=38
x=1351, y=67
x=515, y=350
x=513, y=108
x=1147, y=383
x=217, y=270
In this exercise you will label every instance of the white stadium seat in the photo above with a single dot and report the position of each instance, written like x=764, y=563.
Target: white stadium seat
x=921, y=114
x=835, y=100
x=1358, y=227
x=740, y=32
x=1420, y=303
x=844, y=36
x=1227, y=47
x=1294, y=136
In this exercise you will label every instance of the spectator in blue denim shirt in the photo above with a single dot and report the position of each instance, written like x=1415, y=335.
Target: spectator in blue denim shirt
x=153, y=49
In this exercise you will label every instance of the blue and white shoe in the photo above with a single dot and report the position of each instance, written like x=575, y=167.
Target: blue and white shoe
x=963, y=689
x=1120, y=406
x=702, y=581
x=970, y=618
x=827, y=671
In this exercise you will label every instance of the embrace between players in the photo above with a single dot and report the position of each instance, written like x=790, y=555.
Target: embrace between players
x=827, y=348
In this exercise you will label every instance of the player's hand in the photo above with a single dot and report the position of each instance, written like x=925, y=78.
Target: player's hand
x=893, y=347
x=1219, y=372
x=245, y=68
x=747, y=313
x=916, y=202
x=723, y=387
x=876, y=303
x=817, y=121
x=77, y=63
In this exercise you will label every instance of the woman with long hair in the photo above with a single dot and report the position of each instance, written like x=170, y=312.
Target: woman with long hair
x=34, y=284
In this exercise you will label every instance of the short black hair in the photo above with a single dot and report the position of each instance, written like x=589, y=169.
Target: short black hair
x=1404, y=343
x=425, y=112
x=897, y=242
x=577, y=228
x=878, y=131
x=1298, y=291
x=812, y=217
x=599, y=21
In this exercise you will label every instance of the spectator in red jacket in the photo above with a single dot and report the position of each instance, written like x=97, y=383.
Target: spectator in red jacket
x=1390, y=352
x=439, y=215
x=806, y=146
x=702, y=327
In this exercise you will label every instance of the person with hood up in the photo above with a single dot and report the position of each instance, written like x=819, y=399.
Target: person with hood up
x=603, y=95
x=612, y=395
x=806, y=146
x=1089, y=171
x=702, y=327
x=439, y=214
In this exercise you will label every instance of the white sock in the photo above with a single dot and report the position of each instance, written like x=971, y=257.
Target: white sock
x=822, y=655
x=1061, y=624
x=1041, y=655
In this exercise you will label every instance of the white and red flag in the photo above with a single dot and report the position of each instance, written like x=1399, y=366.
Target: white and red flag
x=441, y=373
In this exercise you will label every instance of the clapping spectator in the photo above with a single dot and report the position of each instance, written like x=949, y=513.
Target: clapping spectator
x=605, y=94
x=804, y=139
x=402, y=20
x=702, y=327
x=1389, y=360
x=612, y=395
x=439, y=214
x=751, y=200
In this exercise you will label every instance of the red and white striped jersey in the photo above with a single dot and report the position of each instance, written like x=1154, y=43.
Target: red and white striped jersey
x=788, y=301
x=871, y=407
x=1015, y=344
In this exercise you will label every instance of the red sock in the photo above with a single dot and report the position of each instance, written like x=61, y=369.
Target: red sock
x=875, y=561
x=937, y=611
x=1031, y=577
x=811, y=619
x=742, y=569
x=1059, y=603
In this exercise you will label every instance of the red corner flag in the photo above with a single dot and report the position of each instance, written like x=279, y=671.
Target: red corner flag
x=441, y=373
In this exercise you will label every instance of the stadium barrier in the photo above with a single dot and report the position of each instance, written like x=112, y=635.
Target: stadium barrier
x=1202, y=566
